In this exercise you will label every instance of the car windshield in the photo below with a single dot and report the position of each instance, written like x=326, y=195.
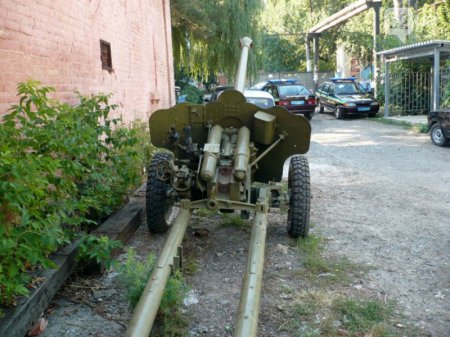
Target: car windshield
x=293, y=90
x=261, y=101
x=346, y=88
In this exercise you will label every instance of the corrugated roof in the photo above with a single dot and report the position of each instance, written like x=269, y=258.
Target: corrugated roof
x=426, y=45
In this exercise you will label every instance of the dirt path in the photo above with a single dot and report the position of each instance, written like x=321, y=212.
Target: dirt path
x=380, y=198
x=382, y=194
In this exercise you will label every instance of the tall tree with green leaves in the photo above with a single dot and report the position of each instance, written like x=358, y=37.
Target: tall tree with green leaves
x=206, y=34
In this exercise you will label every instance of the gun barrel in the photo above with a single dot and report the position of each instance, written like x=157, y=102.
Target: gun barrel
x=246, y=43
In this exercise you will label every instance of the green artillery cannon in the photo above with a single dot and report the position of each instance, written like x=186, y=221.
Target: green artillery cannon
x=225, y=155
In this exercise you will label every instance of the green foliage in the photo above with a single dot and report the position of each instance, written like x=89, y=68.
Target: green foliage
x=325, y=269
x=98, y=249
x=206, y=34
x=446, y=92
x=362, y=315
x=173, y=322
x=62, y=167
x=194, y=95
x=231, y=220
x=431, y=22
x=134, y=274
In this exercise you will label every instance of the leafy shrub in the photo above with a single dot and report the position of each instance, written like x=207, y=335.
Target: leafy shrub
x=97, y=249
x=62, y=168
x=194, y=95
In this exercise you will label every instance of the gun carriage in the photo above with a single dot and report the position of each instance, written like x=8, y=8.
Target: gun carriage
x=226, y=155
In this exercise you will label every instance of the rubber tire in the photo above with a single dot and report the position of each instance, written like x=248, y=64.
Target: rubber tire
x=338, y=112
x=436, y=135
x=321, y=109
x=157, y=207
x=300, y=197
x=372, y=115
x=308, y=115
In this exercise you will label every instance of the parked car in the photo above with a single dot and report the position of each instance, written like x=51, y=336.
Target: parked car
x=218, y=90
x=439, y=123
x=258, y=86
x=257, y=97
x=260, y=98
x=344, y=96
x=294, y=97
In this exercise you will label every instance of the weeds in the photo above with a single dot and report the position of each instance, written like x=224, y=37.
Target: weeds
x=98, y=249
x=325, y=270
x=133, y=276
x=362, y=315
x=317, y=314
x=329, y=312
x=205, y=212
x=418, y=128
x=231, y=220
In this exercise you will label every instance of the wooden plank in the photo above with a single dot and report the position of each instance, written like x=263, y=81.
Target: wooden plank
x=18, y=320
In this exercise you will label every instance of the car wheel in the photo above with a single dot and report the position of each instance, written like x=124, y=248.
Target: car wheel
x=437, y=136
x=299, y=197
x=320, y=107
x=372, y=114
x=338, y=112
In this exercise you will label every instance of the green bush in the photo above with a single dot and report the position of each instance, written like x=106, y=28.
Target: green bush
x=62, y=168
x=194, y=95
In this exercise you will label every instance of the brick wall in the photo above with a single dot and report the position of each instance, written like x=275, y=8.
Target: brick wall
x=58, y=43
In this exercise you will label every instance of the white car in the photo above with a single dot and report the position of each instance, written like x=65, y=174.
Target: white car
x=260, y=98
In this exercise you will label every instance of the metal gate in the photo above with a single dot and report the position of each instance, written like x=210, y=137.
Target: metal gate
x=410, y=92
x=444, y=91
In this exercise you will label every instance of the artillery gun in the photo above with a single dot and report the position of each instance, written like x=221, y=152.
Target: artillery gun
x=225, y=155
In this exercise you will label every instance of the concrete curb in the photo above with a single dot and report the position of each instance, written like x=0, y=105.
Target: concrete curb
x=119, y=226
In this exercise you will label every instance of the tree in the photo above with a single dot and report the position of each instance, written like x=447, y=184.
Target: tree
x=206, y=34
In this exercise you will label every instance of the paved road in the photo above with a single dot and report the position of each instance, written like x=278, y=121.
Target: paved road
x=382, y=194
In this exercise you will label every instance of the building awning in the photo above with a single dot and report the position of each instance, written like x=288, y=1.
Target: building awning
x=416, y=50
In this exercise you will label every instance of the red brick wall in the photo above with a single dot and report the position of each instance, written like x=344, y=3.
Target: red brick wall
x=58, y=43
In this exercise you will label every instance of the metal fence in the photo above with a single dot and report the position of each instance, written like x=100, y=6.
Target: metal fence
x=410, y=92
x=443, y=88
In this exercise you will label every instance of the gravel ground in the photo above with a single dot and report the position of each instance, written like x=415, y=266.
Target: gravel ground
x=380, y=198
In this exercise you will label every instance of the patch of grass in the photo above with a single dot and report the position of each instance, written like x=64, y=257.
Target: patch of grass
x=232, y=220
x=190, y=266
x=133, y=276
x=361, y=316
x=325, y=270
x=419, y=128
x=315, y=314
x=204, y=212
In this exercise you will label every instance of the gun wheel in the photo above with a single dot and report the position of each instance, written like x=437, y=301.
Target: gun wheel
x=300, y=197
x=158, y=206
